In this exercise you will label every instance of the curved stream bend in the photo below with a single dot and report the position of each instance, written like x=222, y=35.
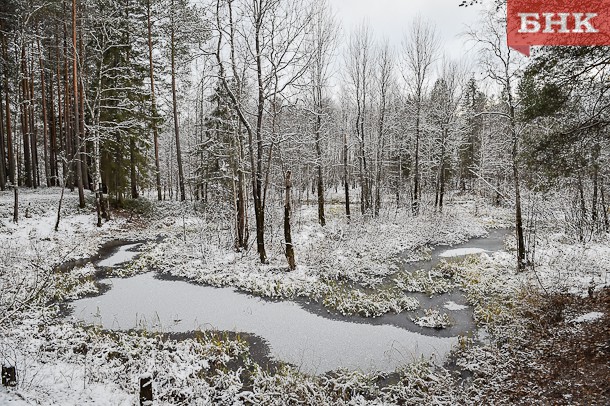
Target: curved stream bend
x=311, y=342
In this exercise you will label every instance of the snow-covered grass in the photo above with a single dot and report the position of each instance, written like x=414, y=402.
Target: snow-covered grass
x=362, y=251
x=344, y=265
x=355, y=301
x=566, y=266
x=62, y=364
x=433, y=319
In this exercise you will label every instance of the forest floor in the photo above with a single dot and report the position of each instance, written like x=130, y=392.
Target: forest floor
x=546, y=334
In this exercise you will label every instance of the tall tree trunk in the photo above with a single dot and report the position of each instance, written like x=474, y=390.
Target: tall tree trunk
x=287, y=234
x=521, y=262
x=84, y=167
x=257, y=175
x=583, y=208
x=346, y=176
x=240, y=207
x=68, y=162
x=77, y=135
x=441, y=177
x=16, y=204
x=594, y=214
x=10, y=151
x=132, y=168
x=53, y=132
x=175, y=106
x=47, y=168
x=604, y=208
x=321, y=215
x=521, y=259
x=60, y=139
x=25, y=121
x=33, y=127
x=3, y=167
x=416, y=191
x=153, y=103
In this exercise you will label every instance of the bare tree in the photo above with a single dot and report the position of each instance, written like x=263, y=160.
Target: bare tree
x=445, y=102
x=384, y=79
x=323, y=34
x=268, y=36
x=420, y=51
x=502, y=66
x=359, y=65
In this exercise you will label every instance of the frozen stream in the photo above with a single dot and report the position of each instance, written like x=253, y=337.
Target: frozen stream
x=294, y=333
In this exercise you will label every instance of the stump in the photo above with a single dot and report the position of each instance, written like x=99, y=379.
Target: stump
x=9, y=376
x=146, y=392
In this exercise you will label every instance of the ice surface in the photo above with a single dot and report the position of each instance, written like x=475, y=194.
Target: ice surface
x=314, y=344
x=451, y=305
x=125, y=254
x=460, y=252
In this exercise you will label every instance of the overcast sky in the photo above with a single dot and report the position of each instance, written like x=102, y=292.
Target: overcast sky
x=390, y=18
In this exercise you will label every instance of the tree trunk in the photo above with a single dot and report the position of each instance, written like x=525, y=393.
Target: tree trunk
x=594, y=215
x=84, y=167
x=60, y=139
x=604, y=207
x=33, y=127
x=25, y=122
x=153, y=103
x=583, y=208
x=175, y=108
x=132, y=168
x=321, y=215
x=241, y=212
x=287, y=234
x=257, y=176
x=441, y=178
x=68, y=162
x=16, y=205
x=521, y=261
x=77, y=135
x=61, y=200
x=10, y=153
x=3, y=168
x=45, y=132
x=416, y=191
x=53, y=134
x=346, y=177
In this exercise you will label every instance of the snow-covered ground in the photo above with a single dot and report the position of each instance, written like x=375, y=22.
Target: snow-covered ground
x=60, y=363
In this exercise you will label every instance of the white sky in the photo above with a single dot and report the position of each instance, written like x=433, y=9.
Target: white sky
x=390, y=19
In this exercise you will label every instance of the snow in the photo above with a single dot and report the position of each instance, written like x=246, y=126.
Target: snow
x=460, y=252
x=588, y=318
x=454, y=306
x=199, y=246
x=575, y=268
x=433, y=319
x=11, y=398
